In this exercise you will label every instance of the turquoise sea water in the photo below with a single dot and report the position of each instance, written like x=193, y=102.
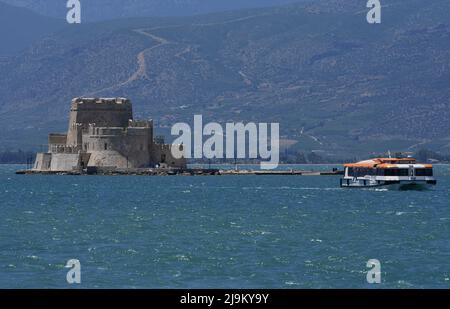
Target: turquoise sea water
x=220, y=232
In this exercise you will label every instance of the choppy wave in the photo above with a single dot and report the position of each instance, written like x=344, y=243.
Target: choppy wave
x=194, y=232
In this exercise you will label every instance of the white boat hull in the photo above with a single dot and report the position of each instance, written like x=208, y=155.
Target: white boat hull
x=390, y=185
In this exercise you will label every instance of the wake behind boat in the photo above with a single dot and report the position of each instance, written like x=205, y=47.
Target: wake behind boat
x=392, y=173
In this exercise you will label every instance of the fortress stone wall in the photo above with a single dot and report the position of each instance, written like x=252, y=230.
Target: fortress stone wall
x=102, y=133
x=98, y=112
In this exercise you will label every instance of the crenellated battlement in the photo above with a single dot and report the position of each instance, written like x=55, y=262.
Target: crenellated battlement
x=100, y=104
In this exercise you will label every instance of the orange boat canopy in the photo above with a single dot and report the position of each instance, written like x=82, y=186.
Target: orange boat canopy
x=385, y=163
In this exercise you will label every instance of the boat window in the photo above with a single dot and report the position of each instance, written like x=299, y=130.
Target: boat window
x=424, y=172
x=351, y=171
x=361, y=172
x=396, y=172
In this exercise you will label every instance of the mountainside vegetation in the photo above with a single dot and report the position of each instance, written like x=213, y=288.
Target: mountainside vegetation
x=336, y=84
x=21, y=27
x=97, y=10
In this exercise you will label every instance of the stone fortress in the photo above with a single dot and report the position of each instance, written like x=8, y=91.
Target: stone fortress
x=103, y=135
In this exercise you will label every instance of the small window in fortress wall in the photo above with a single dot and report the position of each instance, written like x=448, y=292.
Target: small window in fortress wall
x=106, y=146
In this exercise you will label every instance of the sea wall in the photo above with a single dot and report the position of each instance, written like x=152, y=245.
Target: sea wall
x=63, y=162
x=57, y=162
x=119, y=147
x=42, y=162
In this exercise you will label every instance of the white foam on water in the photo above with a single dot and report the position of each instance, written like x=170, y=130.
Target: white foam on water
x=291, y=283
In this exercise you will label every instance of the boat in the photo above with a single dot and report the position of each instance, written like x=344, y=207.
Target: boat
x=390, y=173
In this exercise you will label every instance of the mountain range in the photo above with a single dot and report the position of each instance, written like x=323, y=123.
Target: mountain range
x=336, y=84
x=19, y=28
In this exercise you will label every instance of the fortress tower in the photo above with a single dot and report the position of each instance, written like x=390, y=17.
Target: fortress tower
x=99, y=112
x=103, y=134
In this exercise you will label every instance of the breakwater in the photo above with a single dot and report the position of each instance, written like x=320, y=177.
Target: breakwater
x=182, y=172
